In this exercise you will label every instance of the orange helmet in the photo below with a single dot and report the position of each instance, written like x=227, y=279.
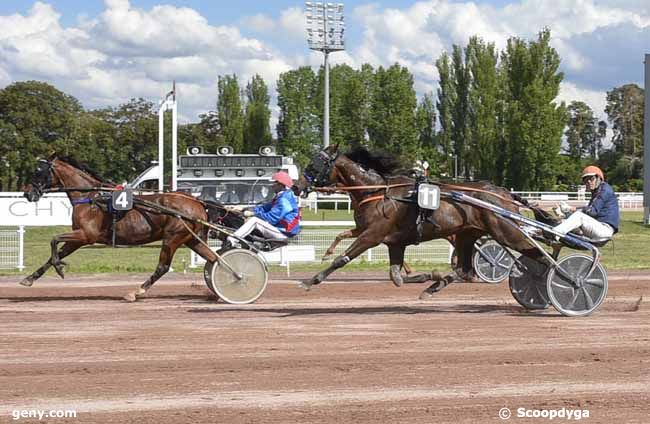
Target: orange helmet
x=593, y=170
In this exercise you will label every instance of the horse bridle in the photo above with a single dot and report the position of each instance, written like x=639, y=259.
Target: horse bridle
x=321, y=165
x=43, y=167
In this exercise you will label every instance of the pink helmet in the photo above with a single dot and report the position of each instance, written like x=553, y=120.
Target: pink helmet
x=283, y=178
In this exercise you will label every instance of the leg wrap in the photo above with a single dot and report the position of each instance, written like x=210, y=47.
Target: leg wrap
x=340, y=261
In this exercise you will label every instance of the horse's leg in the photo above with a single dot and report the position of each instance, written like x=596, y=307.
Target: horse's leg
x=440, y=282
x=364, y=242
x=202, y=250
x=464, y=244
x=343, y=235
x=396, y=255
x=164, y=262
x=67, y=249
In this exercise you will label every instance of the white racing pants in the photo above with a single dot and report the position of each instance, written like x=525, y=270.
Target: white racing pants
x=590, y=227
x=254, y=223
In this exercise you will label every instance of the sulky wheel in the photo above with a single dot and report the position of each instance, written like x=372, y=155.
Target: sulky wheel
x=528, y=283
x=207, y=276
x=492, y=262
x=571, y=290
x=239, y=276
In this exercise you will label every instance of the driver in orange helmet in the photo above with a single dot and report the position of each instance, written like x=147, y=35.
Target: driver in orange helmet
x=600, y=218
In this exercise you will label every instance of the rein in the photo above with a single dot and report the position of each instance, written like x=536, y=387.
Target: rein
x=367, y=187
x=389, y=186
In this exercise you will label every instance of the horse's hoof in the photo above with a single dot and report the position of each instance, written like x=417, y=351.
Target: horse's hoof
x=27, y=282
x=306, y=285
x=426, y=295
x=59, y=270
x=130, y=297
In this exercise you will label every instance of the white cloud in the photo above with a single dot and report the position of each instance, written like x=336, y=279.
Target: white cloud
x=258, y=23
x=127, y=52
x=597, y=100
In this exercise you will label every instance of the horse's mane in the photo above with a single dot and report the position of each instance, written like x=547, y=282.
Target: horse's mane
x=83, y=167
x=382, y=163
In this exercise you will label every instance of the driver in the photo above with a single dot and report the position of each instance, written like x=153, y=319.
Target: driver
x=600, y=218
x=277, y=219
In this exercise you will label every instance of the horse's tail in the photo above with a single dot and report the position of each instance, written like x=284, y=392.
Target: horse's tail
x=540, y=214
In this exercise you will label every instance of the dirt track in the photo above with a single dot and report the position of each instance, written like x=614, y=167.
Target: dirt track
x=348, y=351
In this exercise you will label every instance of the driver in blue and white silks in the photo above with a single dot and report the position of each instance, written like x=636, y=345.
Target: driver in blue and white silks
x=600, y=218
x=277, y=219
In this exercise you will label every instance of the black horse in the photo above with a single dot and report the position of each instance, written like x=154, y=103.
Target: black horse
x=384, y=213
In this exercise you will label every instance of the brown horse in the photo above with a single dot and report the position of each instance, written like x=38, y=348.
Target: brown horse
x=385, y=215
x=92, y=223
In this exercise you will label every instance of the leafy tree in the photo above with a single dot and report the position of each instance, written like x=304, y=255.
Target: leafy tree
x=582, y=133
x=349, y=105
x=425, y=121
x=460, y=110
x=533, y=121
x=392, y=123
x=133, y=129
x=298, y=123
x=625, y=109
x=444, y=105
x=37, y=119
x=230, y=117
x=257, y=130
x=482, y=107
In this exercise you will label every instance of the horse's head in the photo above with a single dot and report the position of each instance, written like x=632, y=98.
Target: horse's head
x=43, y=179
x=320, y=171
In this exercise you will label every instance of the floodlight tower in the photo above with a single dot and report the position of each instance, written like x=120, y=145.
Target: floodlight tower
x=325, y=33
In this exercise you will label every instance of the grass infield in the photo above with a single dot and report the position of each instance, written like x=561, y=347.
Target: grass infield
x=629, y=250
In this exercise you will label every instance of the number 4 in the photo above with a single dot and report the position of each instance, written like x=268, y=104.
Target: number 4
x=122, y=200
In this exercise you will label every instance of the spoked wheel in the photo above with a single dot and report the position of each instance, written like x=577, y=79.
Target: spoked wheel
x=571, y=290
x=207, y=276
x=528, y=283
x=492, y=262
x=239, y=277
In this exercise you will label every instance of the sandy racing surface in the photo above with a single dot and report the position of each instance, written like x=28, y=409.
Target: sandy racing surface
x=354, y=350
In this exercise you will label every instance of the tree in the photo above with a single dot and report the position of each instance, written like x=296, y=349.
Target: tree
x=392, y=122
x=625, y=109
x=298, y=124
x=229, y=113
x=37, y=119
x=582, y=132
x=133, y=129
x=444, y=104
x=349, y=104
x=482, y=106
x=460, y=110
x=425, y=121
x=257, y=130
x=533, y=122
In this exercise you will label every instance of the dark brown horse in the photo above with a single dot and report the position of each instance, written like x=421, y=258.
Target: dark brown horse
x=381, y=215
x=92, y=223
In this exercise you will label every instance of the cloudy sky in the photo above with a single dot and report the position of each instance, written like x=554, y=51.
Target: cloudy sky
x=106, y=52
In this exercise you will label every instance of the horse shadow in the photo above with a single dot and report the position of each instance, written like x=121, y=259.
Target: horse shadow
x=288, y=312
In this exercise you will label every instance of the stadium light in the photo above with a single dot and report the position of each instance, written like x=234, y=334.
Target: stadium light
x=325, y=33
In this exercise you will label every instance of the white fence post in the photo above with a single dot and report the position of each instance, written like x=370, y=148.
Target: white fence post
x=21, y=247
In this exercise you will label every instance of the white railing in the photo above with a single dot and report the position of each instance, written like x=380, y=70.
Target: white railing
x=310, y=245
x=626, y=200
x=12, y=248
x=315, y=199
